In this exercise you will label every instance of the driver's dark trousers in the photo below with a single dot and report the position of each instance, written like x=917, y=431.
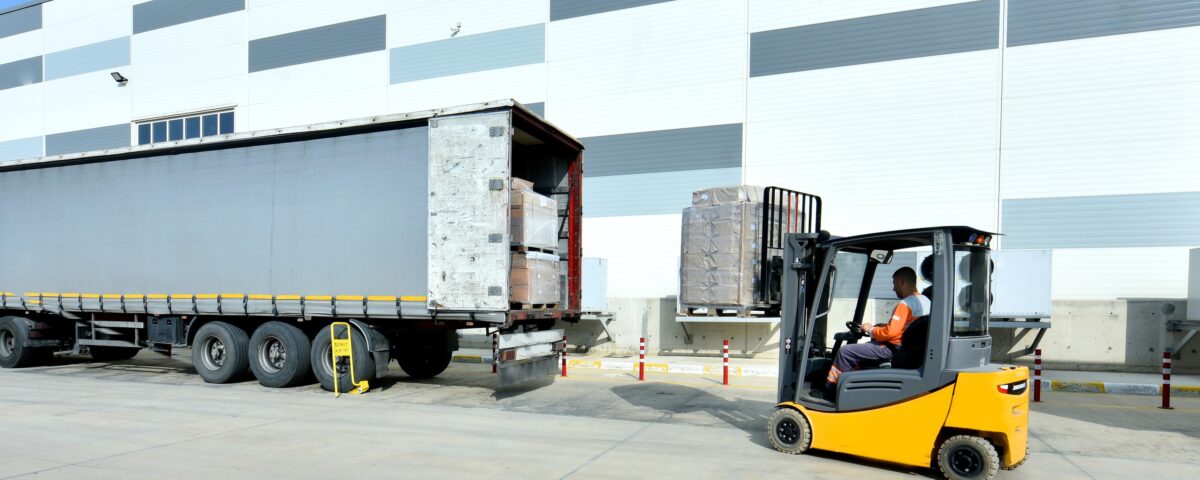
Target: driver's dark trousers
x=851, y=356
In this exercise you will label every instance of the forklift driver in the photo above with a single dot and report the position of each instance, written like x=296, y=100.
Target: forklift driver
x=885, y=339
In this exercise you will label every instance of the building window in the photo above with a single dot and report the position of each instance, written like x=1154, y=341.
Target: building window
x=185, y=127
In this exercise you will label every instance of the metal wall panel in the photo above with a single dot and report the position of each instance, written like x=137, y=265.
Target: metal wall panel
x=470, y=53
x=321, y=43
x=1136, y=220
x=20, y=21
x=1040, y=21
x=538, y=108
x=333, y=216
x=21, y=148
x=956, y=28
x=650, y=193
x=697, y=148
x=564, y=9
x=21, y=72
x=165, y=13
x=99, y=138
x=88, y=58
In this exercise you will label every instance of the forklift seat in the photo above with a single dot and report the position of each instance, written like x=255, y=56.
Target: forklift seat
x=912, y=346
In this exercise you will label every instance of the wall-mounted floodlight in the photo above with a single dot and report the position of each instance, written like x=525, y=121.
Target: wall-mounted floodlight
x=120, y=79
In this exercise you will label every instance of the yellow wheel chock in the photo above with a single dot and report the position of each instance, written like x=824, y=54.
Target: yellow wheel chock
x=343, y=347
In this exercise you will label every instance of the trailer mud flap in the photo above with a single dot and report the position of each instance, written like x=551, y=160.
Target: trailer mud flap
x=524, y=357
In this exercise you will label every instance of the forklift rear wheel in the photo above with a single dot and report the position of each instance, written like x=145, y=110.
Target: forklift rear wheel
x=963, y=457
x=789, y=431
x=112, y=354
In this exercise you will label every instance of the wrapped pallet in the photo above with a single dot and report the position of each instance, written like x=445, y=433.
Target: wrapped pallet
x=720, y=255
x=533, y=218
x=534, y=278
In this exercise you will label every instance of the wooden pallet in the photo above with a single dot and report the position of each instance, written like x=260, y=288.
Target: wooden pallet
x=532, y=306
x=735, y=312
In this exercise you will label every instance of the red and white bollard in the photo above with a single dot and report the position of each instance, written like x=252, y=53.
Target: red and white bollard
x=642, y=359
x=1037, y=375
x=564, y=356
x=725, y=363
x=1166, y=386
x=495, y=349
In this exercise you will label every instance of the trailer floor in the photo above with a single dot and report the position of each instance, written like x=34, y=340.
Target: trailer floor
x=150, y=417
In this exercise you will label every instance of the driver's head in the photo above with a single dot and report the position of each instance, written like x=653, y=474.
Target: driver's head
x=904, y=282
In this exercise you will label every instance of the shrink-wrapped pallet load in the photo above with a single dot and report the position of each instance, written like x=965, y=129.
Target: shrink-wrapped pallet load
x=534, y=278
x=719, y=263
x=533, y=218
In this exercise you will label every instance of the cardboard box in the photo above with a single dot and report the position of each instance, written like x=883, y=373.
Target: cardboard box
x=534, y=278
x=533, y=218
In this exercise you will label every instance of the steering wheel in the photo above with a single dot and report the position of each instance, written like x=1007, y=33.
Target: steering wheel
x=856, y=330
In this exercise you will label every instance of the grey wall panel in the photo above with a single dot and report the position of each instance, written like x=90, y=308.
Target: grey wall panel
x=88, y=58
x=321, y=43
x=21, y=72
x=472, y=53
x=1142, y=220
x=99, y=138
x=333, y=216
x=1041, y=21
x=20, y=21
x=538, y=108
x=164, y=13
x=955, y=28
x=564, y=9
x=650, y=193
x=21, y=148
x=697, y=148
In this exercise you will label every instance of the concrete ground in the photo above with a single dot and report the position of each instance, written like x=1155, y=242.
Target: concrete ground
x=152, y=418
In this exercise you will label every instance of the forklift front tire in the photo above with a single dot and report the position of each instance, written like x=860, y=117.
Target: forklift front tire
x=963, y=457
x=789, y=431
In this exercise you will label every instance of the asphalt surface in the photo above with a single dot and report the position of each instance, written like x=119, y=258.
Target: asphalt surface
x=151, y=417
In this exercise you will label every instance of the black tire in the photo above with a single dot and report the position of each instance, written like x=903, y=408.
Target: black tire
x=220, y=353
x=15, y=351
x=1022, y=462
x=322, y=348
x=427, y=364
x=112, y=354
x=967, y=457
x=789, y=431
x=279, y=355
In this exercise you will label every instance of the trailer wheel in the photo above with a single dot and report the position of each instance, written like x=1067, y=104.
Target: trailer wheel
x=427, y=364
x=279, y=355
x=322, y=364
x=219, y=353
x=789, y=431
x=963, y=457
x=14, y=345
x=112, y=354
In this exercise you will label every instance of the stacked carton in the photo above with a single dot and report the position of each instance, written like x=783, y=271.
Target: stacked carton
x=533, y=221
x=719, y=263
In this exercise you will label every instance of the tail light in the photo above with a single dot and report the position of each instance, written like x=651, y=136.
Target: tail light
x=1015, y=388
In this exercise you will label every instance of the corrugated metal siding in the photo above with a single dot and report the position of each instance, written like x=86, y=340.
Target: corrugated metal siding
x=164, y=13
x=321, y=43
x=470, y=53
x=21, y=72
x=1145, y=220
x=963, y=27
x=564, y=9
x=650, y=193
x=697, y=148
x=1041, y=21
x=20, y=21
x=88, y=58
x=98, y=138
x=21, y=148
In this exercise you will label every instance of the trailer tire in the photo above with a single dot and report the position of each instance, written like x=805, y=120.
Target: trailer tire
x=220, y=353
x=322, y=365
x=279, y=355
x=15, y=351
x=422, y=365
x=963, y=457
x=112, y=354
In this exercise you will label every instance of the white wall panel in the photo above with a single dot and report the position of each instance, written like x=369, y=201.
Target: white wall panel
x=1107, y=273
x=661, y=66
x=21, y=46
x=336, y=89
x=642, y=253
x=775, y=14
x=177, y=84
x=276, y=17
x=1103, y=116
x=184, y=39
x=887, y=145
x=526, y=84
x=59, y=11
x=105, y=25
x=419, y=22
x=22, y=108
x=104, y=110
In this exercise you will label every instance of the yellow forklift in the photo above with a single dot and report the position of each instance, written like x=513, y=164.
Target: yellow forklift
x=940, y=403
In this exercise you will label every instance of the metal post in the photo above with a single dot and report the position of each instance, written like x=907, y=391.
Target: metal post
x=1037, y=375
x=564, y=356
x=725, y=362
x=1166, y=386
x=495, y=347
x=642, y=359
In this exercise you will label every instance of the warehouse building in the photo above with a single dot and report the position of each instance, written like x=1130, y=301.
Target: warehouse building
x=1065, y=124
